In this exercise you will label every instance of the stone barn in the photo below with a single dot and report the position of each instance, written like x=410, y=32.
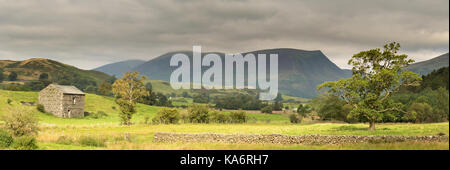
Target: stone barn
x=62, y=101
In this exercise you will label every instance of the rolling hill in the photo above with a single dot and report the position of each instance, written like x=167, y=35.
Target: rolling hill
x=428, y=66
x=29, y=70
x=300, y=71
x=119, y=68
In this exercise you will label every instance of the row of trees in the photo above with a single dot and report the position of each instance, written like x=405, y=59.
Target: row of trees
x=427, y=105
x=198, y=114
x=239, y=101
x=155, y=98
x=422, y=107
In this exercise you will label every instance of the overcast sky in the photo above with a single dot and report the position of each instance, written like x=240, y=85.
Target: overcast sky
x=88, y=34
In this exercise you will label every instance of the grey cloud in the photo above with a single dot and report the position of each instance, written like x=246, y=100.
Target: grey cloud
x=105, y=31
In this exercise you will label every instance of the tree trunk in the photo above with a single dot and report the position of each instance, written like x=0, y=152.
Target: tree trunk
x=372, y=126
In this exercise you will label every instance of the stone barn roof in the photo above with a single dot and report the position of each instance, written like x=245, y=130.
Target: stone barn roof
x=68, y=89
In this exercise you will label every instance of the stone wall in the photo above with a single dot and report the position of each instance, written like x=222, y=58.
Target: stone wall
x=286, y=139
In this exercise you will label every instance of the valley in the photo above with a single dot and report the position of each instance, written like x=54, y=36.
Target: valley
x=101, y=127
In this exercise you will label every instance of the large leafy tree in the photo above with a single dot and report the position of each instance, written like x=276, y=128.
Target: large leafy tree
x=377, y=74
x=128, y=90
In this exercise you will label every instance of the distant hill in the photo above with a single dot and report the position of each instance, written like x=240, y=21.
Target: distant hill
x=119, y=68
x=347, y=72
x=300, y=71
x=428, y=66
x=31, y=69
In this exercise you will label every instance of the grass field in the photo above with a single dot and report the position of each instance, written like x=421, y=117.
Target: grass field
x=140, y=136
x=221, y=146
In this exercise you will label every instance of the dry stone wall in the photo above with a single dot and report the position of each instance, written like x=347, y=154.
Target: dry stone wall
x=286, y=139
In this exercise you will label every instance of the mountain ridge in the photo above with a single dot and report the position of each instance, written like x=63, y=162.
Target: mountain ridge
x=118, y=68
x=300, y=71
x=427, y=66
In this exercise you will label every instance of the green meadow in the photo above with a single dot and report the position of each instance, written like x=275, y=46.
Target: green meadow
x=140, y=135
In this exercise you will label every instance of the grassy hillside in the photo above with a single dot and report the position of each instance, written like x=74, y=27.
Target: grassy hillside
x=29, y=70
x=95, y=103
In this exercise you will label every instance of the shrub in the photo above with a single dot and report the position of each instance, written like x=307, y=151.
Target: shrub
x=167, y=115
x=12, y=76
x=24, y=143
x=238, y=117
x=5, y=139
x=330, y=107
x=90, y=141
x=201, y=98
x=43, y=76
x=419, y=112
x=295, y=118
x=198, y=114
x=86, y=113
x=277, y=106
x=40, y=108
x=64, y=140
x=267, y=109
x=238, y=101
x=20, y=123
x=185, y=117
x=304, y=110
x=218, y=117
x=9, y=101
x=97, y=115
